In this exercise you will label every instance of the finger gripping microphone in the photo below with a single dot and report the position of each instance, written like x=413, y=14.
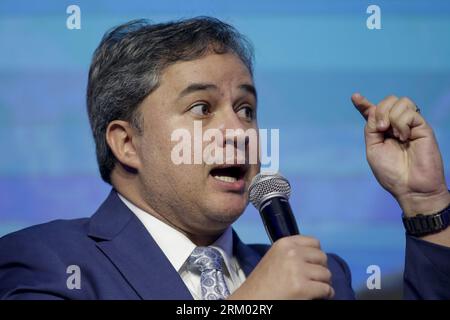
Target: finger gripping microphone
x=269, y=193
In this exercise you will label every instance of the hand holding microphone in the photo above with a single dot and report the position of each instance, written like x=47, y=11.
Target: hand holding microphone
x=294, y=267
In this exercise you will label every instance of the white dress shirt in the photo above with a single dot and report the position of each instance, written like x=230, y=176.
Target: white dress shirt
x=177, y=248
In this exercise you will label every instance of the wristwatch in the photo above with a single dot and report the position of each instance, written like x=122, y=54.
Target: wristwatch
x=422, y=225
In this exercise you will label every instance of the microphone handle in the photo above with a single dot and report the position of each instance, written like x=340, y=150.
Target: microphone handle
x=278, y=218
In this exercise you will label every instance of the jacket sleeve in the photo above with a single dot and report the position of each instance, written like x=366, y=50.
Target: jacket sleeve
x=427, y=270
x=341, y=279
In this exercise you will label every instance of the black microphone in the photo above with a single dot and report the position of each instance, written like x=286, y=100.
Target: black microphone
x=269, y=193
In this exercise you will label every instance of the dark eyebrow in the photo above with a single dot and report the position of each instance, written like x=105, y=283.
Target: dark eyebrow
x=196, y=87
x=250, y=89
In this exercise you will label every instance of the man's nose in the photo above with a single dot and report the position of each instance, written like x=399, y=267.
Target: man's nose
x=233, y=129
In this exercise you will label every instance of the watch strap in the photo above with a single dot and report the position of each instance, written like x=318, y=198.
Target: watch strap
x=421, y=225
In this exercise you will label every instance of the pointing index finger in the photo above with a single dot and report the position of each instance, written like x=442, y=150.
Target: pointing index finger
x=362, y=104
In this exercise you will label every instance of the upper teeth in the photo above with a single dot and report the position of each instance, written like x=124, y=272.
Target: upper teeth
x=226, y=178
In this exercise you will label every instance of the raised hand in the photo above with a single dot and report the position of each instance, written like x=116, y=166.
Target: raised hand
x=403, y=154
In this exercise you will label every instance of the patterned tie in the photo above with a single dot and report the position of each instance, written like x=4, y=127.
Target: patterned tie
x=209, y=262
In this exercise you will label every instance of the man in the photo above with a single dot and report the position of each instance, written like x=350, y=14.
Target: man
x=164, y=232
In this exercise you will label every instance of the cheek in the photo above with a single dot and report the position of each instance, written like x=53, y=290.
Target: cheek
x=154, y=149
x=156, y=152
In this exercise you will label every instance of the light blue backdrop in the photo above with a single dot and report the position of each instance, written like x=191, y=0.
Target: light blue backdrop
x=310, y=57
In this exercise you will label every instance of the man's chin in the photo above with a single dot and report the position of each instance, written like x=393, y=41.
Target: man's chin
x=228, y=207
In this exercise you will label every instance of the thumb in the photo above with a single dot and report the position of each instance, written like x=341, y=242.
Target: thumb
x=367, y=110
x=362, y=104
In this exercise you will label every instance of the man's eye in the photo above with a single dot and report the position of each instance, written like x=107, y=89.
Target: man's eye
x=246, y=113
x=201, y=109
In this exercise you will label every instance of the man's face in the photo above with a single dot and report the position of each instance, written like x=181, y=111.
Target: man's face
x=197, y=198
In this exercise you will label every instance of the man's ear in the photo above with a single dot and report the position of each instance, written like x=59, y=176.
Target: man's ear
x=121, y=138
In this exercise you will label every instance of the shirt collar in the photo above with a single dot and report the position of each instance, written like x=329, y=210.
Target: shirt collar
x=175, y=245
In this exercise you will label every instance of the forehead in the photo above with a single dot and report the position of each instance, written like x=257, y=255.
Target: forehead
x=220, y=69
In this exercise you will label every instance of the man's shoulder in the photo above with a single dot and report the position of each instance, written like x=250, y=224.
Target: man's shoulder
x=35, y=242
x=50, y=232
x=34, y=260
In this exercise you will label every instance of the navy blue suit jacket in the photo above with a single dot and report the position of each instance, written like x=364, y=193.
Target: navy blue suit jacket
x=118, y=259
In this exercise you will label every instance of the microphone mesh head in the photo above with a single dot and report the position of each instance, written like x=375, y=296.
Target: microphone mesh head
x=266, y=186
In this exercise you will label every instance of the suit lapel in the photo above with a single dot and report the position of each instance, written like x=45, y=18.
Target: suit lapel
x=248, y=257
x=125, y=241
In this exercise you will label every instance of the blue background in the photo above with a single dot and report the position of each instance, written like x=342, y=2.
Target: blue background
x=310, y=57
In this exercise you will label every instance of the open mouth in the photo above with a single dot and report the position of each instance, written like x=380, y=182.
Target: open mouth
x=229, y=173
